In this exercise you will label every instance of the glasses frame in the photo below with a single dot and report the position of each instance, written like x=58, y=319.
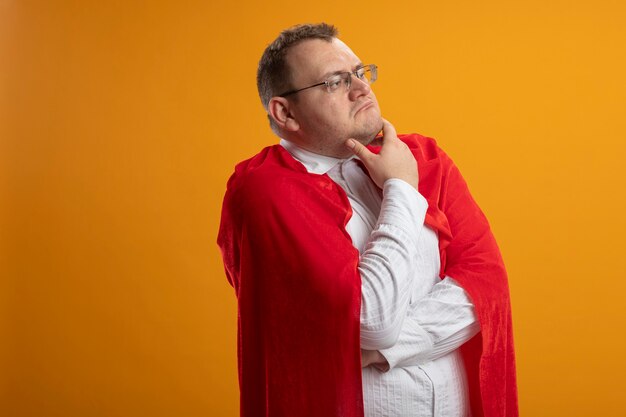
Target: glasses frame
x=373, y=69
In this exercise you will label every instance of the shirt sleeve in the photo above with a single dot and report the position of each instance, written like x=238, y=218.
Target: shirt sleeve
x=436, y=325
x=388, y=263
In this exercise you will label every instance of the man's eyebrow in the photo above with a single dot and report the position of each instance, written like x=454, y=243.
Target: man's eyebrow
x=329, y=73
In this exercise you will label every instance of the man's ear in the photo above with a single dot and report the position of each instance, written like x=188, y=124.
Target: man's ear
x=279, y=108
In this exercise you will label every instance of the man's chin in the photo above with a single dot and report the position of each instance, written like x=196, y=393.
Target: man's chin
x=368, y=137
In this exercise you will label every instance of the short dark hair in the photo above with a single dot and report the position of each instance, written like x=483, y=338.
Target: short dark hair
x=273, y=74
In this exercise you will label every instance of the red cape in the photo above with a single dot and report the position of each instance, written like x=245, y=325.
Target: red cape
x=294, y=269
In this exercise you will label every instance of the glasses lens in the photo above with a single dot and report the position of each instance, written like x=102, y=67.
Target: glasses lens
x=370, y=73
x=335, y=82
x=366, y=73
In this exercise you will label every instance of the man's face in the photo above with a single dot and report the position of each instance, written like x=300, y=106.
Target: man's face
x=326, y=120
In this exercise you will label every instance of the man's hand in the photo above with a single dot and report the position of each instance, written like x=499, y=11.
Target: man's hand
x=375, y=359
x=394, y=160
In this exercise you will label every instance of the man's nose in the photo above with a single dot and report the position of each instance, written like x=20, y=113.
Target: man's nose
x=359, y=87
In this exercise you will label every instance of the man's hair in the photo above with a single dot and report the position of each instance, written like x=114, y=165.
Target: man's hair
x=273, y=74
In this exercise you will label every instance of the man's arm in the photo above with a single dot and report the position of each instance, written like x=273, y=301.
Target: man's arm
x=388, y=262
x=436, y=325
x=387, y=265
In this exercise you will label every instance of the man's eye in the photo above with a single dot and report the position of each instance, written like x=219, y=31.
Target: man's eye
x=360, y=73
x=334, y=83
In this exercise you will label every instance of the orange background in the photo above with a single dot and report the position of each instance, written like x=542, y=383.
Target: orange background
x=120, y=124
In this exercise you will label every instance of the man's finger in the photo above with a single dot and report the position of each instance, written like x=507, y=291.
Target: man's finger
x=358, y=149
x=388, y=130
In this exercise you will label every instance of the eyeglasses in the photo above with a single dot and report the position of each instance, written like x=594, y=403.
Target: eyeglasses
x=366, y=73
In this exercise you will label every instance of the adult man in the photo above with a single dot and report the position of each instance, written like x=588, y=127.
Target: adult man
x=326, y=266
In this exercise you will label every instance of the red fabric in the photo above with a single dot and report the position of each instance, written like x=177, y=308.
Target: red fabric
x=294, y=271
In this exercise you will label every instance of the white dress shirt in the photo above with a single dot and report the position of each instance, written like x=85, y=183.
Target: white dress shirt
x=415, y=319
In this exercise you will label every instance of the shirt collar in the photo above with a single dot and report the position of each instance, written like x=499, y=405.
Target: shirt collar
x=313, y=162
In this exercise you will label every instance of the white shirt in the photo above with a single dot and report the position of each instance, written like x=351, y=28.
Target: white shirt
x=415, y=319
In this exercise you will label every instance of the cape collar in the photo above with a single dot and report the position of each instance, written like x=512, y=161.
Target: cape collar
x=313, y=162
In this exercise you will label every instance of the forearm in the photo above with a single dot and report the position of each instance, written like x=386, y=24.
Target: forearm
x=387, y=265
x=435, y=326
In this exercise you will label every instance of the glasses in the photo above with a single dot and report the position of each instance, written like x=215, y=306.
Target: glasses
x=367, y=73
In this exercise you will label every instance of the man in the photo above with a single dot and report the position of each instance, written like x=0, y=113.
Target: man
x=361, y=282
